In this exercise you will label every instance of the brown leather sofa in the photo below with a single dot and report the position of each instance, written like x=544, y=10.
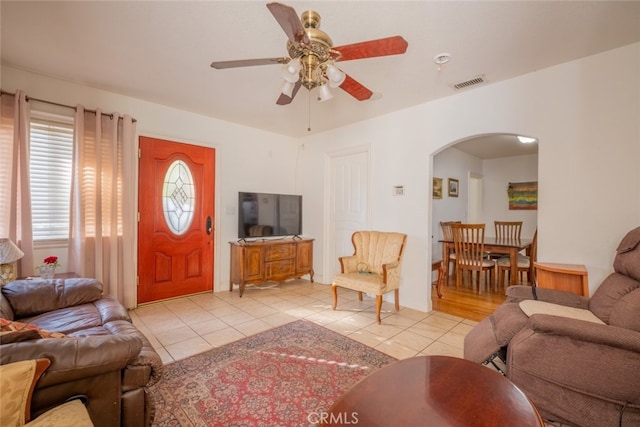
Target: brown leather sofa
x=576, y=358
x=102, y=355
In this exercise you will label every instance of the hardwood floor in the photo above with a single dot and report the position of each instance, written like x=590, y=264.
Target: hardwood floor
x=465, y=302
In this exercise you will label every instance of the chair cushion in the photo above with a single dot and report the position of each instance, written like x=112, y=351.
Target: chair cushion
x=626, y=313
x=69, y=319
x=376, y=248
x=486, y=263
x=71, y=413
x=630, y=241
x=507, y=320
x=17, y=381
x=531, y=307
x=33, y=297
x=362, y=282
x=609, y=293
x=627, y=260
x=505, y=261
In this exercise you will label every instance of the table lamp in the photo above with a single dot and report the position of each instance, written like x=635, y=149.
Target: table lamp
x=9, y=254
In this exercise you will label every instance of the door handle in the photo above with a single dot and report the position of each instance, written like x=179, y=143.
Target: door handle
x=208, y=225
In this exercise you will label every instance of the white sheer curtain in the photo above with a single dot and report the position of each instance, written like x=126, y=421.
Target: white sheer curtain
x=102, y=239
x=15, y=202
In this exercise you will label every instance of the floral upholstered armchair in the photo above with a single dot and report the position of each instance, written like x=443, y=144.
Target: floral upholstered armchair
x=374, y=267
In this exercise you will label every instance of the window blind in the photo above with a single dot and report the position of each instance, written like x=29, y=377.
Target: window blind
x=50, y=160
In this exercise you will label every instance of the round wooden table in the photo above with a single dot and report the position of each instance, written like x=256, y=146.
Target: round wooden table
x=434, y=391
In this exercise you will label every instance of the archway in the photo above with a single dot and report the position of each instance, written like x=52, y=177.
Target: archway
x=482, y=166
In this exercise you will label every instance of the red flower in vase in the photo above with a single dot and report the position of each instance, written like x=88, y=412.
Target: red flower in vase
x=52, y=261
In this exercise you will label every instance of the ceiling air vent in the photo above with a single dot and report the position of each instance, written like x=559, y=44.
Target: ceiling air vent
x=467, y=83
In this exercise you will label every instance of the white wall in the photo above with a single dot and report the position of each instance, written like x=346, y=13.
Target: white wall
x=452, y=163
x=588, y=123
x=496, y=176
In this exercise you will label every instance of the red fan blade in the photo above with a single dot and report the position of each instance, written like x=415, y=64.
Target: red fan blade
x=372, y=48
x=284, y=99
x=219, y=65
x=289, y=21
x=355, y=89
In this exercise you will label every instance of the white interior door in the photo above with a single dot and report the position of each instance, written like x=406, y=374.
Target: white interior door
x=474, y=200
x=348, y=205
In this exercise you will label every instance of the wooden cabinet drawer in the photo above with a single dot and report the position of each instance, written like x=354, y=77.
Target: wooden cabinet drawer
x=276, y=269
x=279, y=252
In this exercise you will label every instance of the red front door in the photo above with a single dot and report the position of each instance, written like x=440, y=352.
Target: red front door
x=175, y=228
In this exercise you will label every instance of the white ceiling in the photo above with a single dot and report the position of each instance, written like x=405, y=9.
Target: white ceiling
x=495, y=146
x=161, y=51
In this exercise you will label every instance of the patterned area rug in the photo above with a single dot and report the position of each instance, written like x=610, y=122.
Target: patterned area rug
x=285, y=376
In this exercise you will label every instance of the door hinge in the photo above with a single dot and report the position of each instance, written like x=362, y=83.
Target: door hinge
x=137, y=280
x=139, y=152
x=138, y=216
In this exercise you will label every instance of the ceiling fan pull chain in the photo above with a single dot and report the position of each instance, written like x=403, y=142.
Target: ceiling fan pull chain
x=309, y=112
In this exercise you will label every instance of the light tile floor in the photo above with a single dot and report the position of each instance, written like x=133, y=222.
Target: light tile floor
x=186, y=326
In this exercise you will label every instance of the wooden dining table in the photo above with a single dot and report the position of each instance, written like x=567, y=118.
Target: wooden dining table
x=493, y=245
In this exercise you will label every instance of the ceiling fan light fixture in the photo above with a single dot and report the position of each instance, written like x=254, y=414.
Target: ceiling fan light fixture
x=288, y=76
x=294, y=66
x=325, y=93
x=335, y=75
x=287, y=88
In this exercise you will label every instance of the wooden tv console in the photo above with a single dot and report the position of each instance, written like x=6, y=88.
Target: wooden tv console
x=270, y=260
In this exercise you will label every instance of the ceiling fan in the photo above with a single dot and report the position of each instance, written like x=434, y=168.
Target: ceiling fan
x=312, y=56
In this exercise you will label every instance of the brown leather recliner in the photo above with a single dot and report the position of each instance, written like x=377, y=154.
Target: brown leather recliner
x=577, y=359
x=102, y=357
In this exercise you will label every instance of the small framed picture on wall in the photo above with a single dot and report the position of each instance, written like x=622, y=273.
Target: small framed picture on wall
x=453, y=187
x=437, y=188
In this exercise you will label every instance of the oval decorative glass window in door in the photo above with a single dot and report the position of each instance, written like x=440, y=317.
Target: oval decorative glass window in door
x=178, y=197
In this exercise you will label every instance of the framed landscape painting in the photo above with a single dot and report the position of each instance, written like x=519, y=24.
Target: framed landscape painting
x=437, y=188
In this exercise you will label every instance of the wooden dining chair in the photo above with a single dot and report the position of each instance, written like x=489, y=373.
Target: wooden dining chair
x=508, y=229
x=448, y=235
x=468, y=240
x=437, y=266
x=525, y=264
x=505, y=230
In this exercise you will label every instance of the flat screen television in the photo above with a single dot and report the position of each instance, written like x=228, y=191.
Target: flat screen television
x=269, y=215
